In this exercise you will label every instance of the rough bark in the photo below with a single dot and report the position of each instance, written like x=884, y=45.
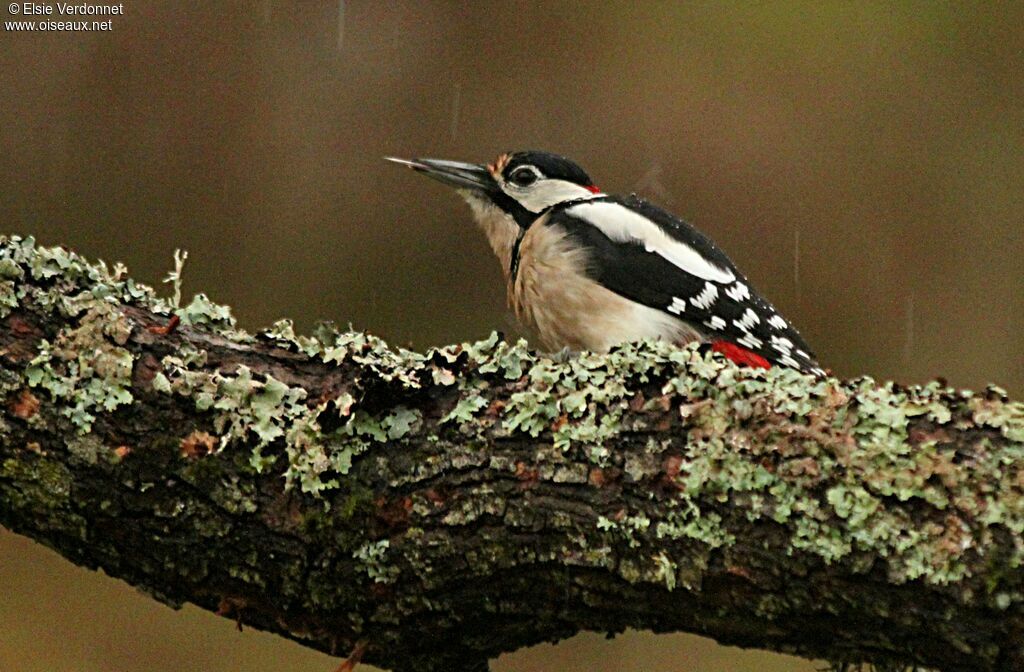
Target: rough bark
x=446, y=507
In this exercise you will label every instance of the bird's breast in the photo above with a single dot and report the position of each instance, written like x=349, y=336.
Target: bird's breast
x=552, y=294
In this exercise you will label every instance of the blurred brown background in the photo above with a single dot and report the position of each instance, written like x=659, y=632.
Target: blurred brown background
x=862, y=163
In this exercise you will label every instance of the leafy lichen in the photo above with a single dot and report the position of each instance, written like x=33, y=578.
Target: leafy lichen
x=371, y=556
x=844, y=467
x=86, y=369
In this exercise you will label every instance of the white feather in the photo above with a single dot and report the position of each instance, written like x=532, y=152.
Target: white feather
x=789, y=361
x=707, y=297
x=623, y=225
x=751, y=341
x=738, y=292
x=747, y=320
x=782, y=344
x=545, y=193
x=716, y=323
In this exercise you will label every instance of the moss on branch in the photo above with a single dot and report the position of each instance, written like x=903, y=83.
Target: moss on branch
x=333, y=489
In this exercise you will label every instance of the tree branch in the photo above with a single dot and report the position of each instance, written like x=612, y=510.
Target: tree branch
x=449, y=506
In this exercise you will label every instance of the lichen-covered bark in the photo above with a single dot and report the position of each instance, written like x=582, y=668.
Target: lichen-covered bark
x=448, y=506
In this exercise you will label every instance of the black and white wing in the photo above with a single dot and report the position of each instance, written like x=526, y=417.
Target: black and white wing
x=647, y=255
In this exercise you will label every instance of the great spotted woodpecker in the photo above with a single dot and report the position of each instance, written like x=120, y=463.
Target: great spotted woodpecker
x=587, y=270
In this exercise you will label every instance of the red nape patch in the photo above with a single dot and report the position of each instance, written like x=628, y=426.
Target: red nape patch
x=740, y=355
x=593, y=188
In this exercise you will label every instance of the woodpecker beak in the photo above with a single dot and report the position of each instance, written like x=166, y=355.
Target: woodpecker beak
x=452, y=173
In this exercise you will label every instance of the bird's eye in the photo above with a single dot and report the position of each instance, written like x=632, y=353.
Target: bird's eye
x=523, y=177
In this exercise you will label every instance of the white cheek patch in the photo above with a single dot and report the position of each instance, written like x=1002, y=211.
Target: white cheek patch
x=545, y=193
x=623, y=225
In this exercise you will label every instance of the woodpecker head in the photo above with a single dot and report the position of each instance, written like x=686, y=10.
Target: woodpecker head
x=521, y=185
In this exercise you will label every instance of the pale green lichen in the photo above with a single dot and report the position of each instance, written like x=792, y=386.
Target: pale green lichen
x=372, y=558
x=998, y=413
x=203, y=311
x=86, y=368
x=247, y=409
x=174, y=277
x=507, y=359
x=67, y=277
x=8, y=297
x=831, y=523
x=463, y=412
x=834, y=495
x=531, y=412
x=261, y=411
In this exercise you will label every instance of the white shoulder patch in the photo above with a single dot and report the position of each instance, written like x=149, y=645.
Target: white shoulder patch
x=623, y=225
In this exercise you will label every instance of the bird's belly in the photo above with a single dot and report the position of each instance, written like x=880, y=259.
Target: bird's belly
x=567, y=309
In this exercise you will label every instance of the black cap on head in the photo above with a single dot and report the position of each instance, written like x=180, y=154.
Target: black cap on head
x=550, y=165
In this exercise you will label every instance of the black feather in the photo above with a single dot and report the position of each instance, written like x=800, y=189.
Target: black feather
x=550, y=165
x=628, y=269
